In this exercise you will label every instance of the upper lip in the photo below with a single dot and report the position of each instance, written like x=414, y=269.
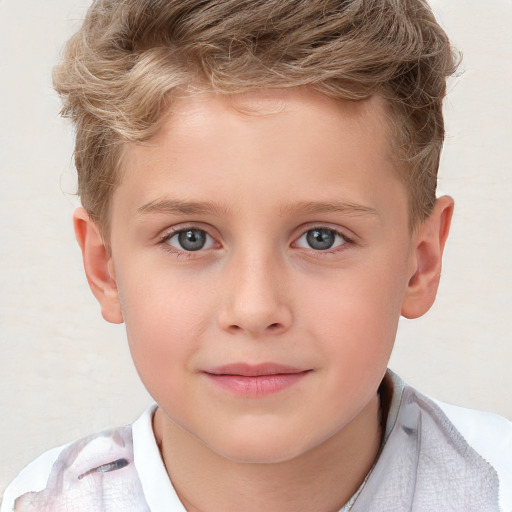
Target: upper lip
x=254, y=370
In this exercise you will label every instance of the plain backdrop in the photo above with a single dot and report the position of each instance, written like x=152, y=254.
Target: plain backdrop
x=65, y=373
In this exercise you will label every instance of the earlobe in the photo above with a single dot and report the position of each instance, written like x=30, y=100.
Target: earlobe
x=98, y=266
x=429, y=241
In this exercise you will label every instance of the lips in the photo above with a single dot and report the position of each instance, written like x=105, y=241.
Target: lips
x=255, y=380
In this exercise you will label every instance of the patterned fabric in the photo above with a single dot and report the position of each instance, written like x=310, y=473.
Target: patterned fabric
x=94, y=474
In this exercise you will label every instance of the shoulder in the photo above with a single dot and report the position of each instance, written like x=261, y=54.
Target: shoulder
x=477, y=435
x=32, y=478
x=91, y=473
x=490, y=436
x=486, y=432
x=460, y=457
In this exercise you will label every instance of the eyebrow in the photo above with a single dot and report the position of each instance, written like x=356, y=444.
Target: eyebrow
x=312, y=207
x=178, y=207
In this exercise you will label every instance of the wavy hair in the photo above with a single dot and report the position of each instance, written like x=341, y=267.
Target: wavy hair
x=120, y=69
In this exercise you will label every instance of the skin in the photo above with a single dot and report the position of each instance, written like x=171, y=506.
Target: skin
x=258, y=172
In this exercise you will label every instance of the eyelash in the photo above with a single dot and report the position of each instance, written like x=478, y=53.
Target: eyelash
x=347, y=241
x=183, y=253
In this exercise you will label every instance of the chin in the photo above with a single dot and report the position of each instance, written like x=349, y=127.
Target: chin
x=262, y=449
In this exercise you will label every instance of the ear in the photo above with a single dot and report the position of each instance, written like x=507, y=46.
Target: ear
x=98, y=266
x=429, y=240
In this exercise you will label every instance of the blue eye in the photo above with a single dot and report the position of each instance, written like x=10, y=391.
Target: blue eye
x=321, y=239
x=190, y=240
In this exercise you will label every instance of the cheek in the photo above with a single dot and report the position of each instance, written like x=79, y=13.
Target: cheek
x=165, y=322
x=357, y=312
x=356, y=329
x=161, y=303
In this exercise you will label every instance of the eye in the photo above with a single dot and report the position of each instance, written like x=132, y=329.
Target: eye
x=192, y=239
x=321, y=239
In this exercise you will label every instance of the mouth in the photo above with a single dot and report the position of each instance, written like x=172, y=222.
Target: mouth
x=255, y=380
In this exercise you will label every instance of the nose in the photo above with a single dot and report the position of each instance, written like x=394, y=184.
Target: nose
x=256, y=299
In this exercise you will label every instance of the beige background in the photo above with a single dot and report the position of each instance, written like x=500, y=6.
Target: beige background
x=64, y=372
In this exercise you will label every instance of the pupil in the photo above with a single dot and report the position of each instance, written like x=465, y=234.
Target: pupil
x=192, y=240
x=320, y=239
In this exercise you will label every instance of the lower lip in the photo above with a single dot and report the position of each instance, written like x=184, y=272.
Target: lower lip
x=256, y=386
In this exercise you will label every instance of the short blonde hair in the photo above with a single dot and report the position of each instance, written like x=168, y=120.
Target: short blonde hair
x=120, y=68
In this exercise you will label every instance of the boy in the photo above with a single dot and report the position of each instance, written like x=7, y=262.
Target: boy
x=258, y=181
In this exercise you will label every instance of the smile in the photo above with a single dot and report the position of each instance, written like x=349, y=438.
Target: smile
x=255, y=380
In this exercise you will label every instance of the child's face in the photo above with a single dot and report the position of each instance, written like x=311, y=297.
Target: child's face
x=274, y=233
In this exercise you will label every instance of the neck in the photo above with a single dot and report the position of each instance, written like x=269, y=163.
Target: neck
x=322, y=479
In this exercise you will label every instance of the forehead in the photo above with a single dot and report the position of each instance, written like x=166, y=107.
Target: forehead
x=269, y=103
x=303, y=112
x=294, y=145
